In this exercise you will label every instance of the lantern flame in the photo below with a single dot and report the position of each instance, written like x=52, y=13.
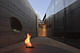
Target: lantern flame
x=27, y=40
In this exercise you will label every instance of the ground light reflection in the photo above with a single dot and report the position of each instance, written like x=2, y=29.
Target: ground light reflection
x=28, y=50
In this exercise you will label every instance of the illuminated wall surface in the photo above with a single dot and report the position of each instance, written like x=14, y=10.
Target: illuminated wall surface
x=42, y=30
x=64, y=18
x=16, y=19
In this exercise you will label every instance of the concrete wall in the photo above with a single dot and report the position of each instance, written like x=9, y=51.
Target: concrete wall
x=23, y=12
x=66, y=22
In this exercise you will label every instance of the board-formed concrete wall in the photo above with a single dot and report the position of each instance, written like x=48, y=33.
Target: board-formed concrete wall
x=18, y=16
x=66, y=22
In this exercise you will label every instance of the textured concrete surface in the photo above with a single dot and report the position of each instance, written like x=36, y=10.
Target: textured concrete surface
x=20, y=10
x=41, y=45
x=64, y=21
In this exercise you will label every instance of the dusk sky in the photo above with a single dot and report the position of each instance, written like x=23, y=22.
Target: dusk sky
x=40, y=6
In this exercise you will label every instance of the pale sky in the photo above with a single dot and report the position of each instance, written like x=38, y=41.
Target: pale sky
x=40, y=6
